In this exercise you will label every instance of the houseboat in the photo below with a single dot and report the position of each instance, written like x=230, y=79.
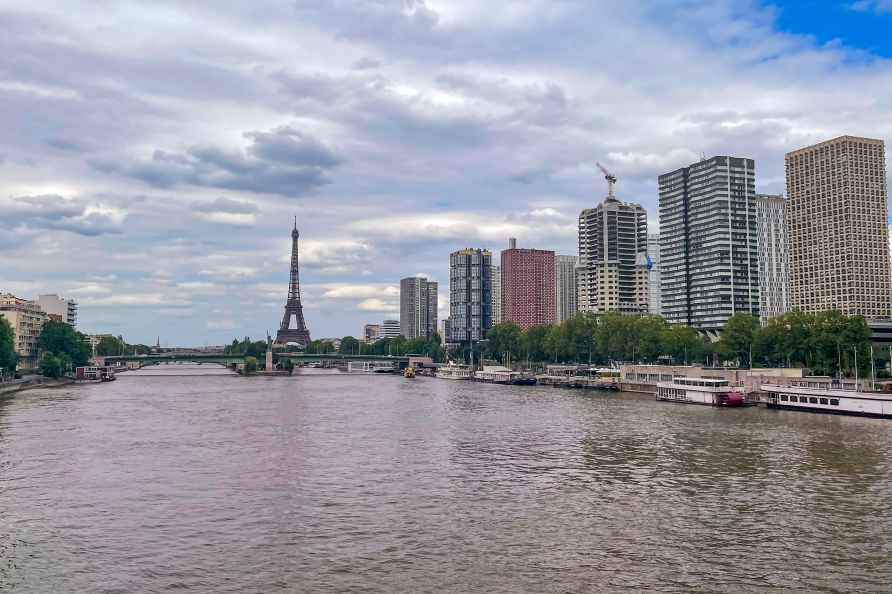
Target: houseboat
x=844, y=402
x=496, y=374
x=700, y=390
x=87, y=374
x=454, y=371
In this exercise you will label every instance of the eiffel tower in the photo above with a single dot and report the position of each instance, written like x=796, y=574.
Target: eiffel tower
x=293, y=328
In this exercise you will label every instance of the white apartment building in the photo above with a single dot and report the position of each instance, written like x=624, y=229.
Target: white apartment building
x=496, y=295
x=55, y=306
x=774, y=254
x=654, y=299
x=565, y=287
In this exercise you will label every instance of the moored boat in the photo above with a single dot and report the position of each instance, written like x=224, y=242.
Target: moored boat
x=454, y=371
x=700, y=390
x=496, y=374
x=844, y=402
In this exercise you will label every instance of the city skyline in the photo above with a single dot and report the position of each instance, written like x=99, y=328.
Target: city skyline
x=161, y=206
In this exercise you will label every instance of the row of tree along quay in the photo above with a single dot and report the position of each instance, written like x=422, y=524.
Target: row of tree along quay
x=827, y=343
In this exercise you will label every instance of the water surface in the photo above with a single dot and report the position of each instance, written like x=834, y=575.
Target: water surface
x=170, y=481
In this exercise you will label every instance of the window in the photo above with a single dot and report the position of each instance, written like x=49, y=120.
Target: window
x=783, y=398
x=813, y=400
x=794, y=399
x=834, y=402
x=823, y=401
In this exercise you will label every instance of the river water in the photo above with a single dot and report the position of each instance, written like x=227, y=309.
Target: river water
x=187, y=479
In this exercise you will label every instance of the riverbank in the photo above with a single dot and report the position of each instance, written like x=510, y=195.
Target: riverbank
x=9, y=388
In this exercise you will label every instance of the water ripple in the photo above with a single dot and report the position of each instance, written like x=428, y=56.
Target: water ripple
x=333, y=483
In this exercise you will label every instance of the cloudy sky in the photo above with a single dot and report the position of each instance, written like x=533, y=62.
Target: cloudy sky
x=153, y=155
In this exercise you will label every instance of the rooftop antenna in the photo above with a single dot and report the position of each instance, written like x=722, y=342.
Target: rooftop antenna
x=611, y=180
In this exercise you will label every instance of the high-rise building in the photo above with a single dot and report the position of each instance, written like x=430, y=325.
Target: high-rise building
x=27, y=320
x=390, y=328
x=838, y=223
x=654, y=299
x=709, y=265
x=418, y=308
x=612, y=271
x=470, y=294
x=372, y=333
x=565, y=287
x=774, y=256
x=58, y=308
x=527, y=286
x=496, y=295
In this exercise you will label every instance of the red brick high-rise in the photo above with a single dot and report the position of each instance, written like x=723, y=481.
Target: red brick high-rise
x=528, y=292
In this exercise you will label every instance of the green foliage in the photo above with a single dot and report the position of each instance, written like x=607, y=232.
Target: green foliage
x=110, y=346
x=503, y=340
x=350, y=346
x=250, y=364
x=51, y=365
x=682, y=344
x=598, y=339
x=7, y=347
x=60, y=338
x=247, y=347
x=825, y=342
x=399, y=347
x=321, y=347
x=738, y=337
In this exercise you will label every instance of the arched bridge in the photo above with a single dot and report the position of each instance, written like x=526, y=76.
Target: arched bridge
x=224, y=359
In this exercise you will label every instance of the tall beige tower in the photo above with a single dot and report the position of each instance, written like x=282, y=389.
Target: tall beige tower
x=838, y=227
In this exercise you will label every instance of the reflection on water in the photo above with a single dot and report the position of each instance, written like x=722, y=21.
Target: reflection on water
x=203, y=481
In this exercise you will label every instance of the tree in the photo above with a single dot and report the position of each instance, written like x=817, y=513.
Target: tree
x=533, y=343
x=504, y=339
x=738, y=337
x=58, y=338
x=250, y=365
x=8, y=356
x=350, y=346
x=110, y=346
x=650, y=331
x=683, y=344
x=51, y=365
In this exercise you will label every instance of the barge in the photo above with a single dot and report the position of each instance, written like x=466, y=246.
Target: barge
x=838, y=402
x=700, y=390
x=496, y=374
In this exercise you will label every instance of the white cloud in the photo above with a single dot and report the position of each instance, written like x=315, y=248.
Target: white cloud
x=91, y=289
x=378, y=305
x=135, y=299
x=395, y=132
x=227, y=218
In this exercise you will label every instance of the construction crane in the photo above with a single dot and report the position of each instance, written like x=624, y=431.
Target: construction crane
x=611, y=180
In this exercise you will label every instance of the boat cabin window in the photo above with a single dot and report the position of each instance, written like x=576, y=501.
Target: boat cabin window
x=834, y=402
x=794, y=399
x=823, y=401
x=783, y=398
x=813, y=400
